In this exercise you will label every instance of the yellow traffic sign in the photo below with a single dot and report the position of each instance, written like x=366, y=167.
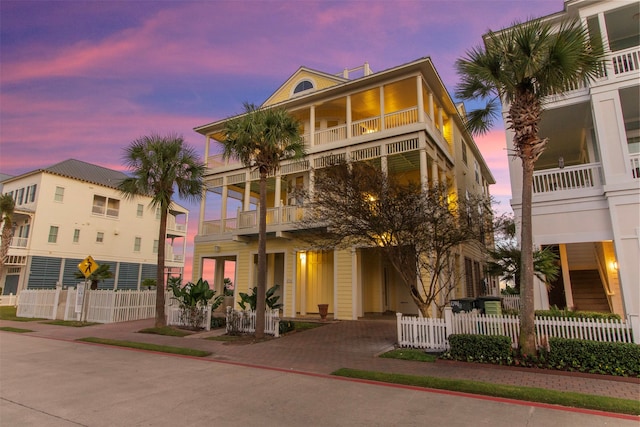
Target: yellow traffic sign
x=88, y=266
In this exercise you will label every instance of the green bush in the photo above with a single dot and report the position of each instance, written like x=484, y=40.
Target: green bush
x=286, y=326
x=250, y=300
x=556, y=312
x=619, y=359
x=480, y=348
x=218, y=322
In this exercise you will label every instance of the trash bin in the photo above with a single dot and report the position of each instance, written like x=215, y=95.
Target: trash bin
x=462, y=304
x=494, y=304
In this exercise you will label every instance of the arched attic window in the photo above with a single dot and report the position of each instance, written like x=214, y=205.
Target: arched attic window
x=302, y=86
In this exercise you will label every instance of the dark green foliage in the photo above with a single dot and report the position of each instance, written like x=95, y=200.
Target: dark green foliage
x=193, y=297
x=103, y=272
x=286, y=326
x=218, y=322
x=619, y=359
x=480, y=348
x=556, y=312
x=271, y=300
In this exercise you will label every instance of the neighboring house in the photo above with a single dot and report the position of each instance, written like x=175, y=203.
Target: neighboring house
x=73, y=209
x=403, y=120
x=586, y=190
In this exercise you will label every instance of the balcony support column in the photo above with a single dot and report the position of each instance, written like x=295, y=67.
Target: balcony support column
x=349, y=119
x=246, y=205
x=420, y=99
x=566, y=278
x=312, y=125
x=424, y=173
x=430, y=105
x=384, y=166
x=382, y=124
x=434, y=172
x=312, y=177
x=223, y=204
x=278, y=184
x=440, y=121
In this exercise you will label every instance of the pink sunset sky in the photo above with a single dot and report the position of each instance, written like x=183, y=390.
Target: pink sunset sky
x=83, y=79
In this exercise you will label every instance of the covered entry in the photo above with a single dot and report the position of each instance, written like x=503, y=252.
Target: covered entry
x=314, y=281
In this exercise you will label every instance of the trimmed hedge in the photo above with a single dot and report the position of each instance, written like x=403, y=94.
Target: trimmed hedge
x=609, y=358
x=555, y=312
x=494, y=349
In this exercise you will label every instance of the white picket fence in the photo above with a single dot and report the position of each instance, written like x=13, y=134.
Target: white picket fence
x=511, y=302
x=175, y=316
x=102, y=306
x=11, y=300
x=245, y=321
x=431, y=334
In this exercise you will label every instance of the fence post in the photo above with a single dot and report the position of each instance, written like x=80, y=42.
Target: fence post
x=448, y=322
x=399, y=327
x=56, y=299
x=634, y=321
x=207, y=327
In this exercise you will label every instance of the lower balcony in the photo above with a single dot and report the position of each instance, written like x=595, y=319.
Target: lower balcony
x=570, y=178
x=247, y=221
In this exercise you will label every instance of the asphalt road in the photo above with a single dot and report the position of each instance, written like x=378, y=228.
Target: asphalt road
x=49, y=382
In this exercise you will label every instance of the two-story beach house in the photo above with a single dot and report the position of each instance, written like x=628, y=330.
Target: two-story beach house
x=586, y=190
x=403, y=120
x=71, y=210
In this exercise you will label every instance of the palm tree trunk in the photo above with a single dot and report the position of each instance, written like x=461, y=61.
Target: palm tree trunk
x=161, y=320
x=527, y=312
x=262, y=257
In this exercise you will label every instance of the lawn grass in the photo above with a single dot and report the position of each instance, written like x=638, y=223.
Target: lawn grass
x=529, y=394
x=409, y=354
x=303, y=326
x=8, y=312
x=151, y=347
x=10, y=329
x=72, y=323
x=165, y=330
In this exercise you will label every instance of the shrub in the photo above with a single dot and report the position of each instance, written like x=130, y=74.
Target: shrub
x=193, y=298
x=620, y=359
x=556, y=312
x=480, y=348
x=286, y=326
x=271, y=300
x=218, y=322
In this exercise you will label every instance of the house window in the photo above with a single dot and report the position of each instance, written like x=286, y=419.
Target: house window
x=59, y=196
x=53, y=234
x=155, y=246
x=302, y=86
x=20, y=196
x=477, y=167
x=76, y=235
x=33, y=193
x=105, y=206
x=100, y=237
x=140, y=211
x=136, y=244
x=464, y=152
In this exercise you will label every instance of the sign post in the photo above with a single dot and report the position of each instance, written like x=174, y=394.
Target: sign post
x=88, y=266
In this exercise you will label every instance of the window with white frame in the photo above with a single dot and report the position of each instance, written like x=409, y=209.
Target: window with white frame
x=477, y=168
x=100, y=237
x=464, y=152
x=105, y=206
x=136, y=244
x=76, y=235
x=53, y=234
x=140, y=211
x=59, y=195
x=155, y=246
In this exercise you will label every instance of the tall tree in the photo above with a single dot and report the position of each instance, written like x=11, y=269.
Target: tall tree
x=261, y=138
x=162, y=166
x=7, y=208
x=506, y=263
x=521, y=66
x=419, y=230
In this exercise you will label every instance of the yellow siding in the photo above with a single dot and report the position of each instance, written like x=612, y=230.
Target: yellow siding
x=344, y=288
x=286, y=90
x=372, y=281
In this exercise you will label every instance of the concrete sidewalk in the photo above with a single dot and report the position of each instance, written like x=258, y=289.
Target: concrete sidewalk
x=343, y=344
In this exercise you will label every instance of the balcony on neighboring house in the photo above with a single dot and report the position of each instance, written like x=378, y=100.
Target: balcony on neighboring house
x=19, y=242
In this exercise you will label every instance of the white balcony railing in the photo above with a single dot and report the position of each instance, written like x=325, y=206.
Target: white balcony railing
x=635, y=165
x=249, y=219
x=366, y=126
x=333, y=134
x=626, y=61
x=401, y=118
x=569, y=178
x=19, y=242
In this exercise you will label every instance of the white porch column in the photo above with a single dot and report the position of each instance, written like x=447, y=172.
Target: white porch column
x=349, y=118
x=384, y=164
x=424, y=173
x=303, y=282
x=440, y=123
x=223, y=204
x=382, y=125
x=434, y=172
x=247, y=192
x=312, y=177
x=203, y=200
x=430, y=105
x=420, y=99
x=218, y=276
x=356, y=286
x=312, y=125
x=278, y=191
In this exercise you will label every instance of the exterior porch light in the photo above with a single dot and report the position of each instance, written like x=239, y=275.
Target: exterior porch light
x=614, y=265
x=303, y=257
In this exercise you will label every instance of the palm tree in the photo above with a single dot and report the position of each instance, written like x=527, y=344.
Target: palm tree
x=506, y=262
x=521, y=66
x=162, y=166
x=101, y=273
x=261, y=138
x=7, y=208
